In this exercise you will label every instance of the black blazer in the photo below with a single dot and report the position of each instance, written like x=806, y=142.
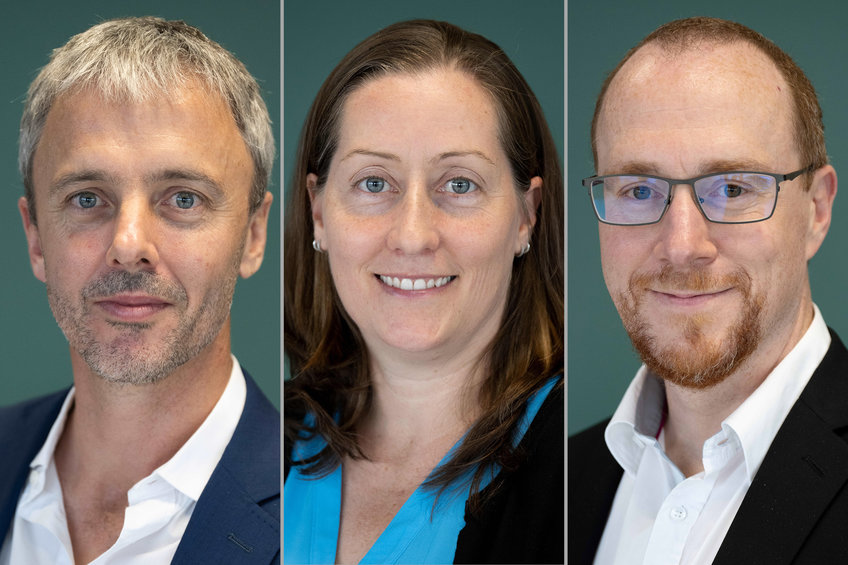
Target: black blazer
x=796, y=510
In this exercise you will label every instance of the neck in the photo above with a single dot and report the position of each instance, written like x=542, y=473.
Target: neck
x=117, y=434
x=417, y=403
x=695, y=415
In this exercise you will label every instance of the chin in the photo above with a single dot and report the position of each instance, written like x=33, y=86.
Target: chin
x=411, y=340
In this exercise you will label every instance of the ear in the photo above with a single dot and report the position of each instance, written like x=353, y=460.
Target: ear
x=257, y=234
x=822, y=192
x=316, y=200
x=36, y=256
x=530, y=202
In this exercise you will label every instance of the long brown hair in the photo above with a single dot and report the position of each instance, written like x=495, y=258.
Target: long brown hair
x=328, y=357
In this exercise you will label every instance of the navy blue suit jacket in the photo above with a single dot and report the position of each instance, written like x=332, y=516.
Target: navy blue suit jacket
x=236, y=519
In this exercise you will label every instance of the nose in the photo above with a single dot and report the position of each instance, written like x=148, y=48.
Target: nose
x=685, y=240
x=414, y=226
x=133, y=245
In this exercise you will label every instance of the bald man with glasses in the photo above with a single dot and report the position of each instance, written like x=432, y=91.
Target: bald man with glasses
x=713, y=191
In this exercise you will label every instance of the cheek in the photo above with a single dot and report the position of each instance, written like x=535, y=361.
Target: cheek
x=620, y=256
x=67, y=257
x=348, y=239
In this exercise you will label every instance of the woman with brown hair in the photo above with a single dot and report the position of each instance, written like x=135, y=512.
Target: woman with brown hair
x=424, y=311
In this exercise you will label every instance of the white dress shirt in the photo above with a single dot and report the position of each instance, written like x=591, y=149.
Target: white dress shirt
x=660, y=517
x=160, y=505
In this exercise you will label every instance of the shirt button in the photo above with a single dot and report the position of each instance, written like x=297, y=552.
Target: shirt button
x=678, y=513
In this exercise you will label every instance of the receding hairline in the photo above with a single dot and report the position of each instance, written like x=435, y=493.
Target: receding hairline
x=676, y=50
x=684, y=33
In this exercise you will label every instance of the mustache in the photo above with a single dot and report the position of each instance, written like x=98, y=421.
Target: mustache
x=698, y=280
x=117, y=282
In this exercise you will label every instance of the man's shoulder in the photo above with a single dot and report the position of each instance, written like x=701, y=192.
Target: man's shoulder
x=587, y=438
x=827, y=391
x=24, y=415
x=797, y=505
x=587, y=449
x=238, y=514
x=254, y=450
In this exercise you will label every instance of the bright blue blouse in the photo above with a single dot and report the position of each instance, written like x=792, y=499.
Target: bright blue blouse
x=312, y=509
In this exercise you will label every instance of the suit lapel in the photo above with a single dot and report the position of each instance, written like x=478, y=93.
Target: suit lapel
x=805, y=467
x=23, y=429
x=237, y=518
x=593, y=480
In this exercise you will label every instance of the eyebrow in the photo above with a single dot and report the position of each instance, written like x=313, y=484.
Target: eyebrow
x=647, y=169
x=368, y=153
x=436, y=159
x=186, y=175
x=78, y=177
x=94, y=175
x=473, y=153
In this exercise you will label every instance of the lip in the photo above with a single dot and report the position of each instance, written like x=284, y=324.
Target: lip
x=414, y=283
x=686, y=298
x=131, y=307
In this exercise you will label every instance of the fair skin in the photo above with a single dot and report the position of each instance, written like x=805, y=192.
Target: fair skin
x=158, y=190
x=418, y=189
x=709, y=110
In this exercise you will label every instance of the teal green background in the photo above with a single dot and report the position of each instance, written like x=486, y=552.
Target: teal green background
x=34, y=352
x=601, y=361
x=317, y=34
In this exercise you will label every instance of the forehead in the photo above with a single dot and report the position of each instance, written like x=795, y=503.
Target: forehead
x=89, y=109
x=710, y=103
x=446, y=102
x=190, y=126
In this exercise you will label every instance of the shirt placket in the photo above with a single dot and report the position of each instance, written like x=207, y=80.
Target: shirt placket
x=682, y=507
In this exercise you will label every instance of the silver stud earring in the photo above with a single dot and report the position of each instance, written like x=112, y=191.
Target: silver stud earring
x=316, y=245
x=524, y=250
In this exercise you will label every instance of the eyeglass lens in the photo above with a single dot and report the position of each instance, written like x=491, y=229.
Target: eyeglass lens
x=731, y=198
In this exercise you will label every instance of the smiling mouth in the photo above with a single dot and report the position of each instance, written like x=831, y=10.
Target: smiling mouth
x=415, y=284
x=689, y=298
x=129, y=308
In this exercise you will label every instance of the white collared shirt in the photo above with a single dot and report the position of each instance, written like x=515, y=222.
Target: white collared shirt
x=660, y=517
x=160, y=505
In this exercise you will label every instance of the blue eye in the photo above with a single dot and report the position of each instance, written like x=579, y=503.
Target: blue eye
x=86, y=200
x=184, y=200
x=460, y=186
x=641, y=192
x=373, y=185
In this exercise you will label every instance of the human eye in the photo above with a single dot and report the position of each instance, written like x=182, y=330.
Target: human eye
x=184, y=205
x=84, y=200
x=637, y=189
x=185, y=200
x=734, y=187
x=731, y=190
x=460, y=185
x=373, y=185
x=640, y=192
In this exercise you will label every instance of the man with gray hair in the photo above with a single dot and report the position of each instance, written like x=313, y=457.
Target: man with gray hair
x=145, y=151
x=713, y=192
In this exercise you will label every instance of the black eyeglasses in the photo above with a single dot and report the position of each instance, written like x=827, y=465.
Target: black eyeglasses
x=734, y=197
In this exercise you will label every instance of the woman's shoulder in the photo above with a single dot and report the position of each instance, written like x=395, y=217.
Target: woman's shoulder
x=524, y=520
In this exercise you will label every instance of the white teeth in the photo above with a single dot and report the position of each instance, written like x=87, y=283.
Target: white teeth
x=415, y=284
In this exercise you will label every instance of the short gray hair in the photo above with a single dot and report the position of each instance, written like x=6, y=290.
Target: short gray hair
x=137, y=59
